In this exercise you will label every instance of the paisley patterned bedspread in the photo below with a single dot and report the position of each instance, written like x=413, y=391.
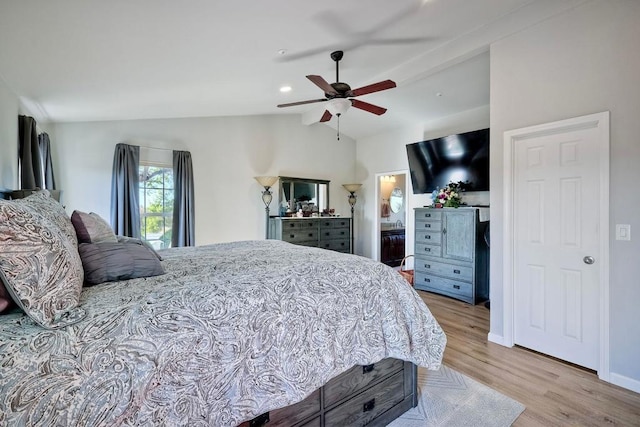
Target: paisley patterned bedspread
x=231, y=331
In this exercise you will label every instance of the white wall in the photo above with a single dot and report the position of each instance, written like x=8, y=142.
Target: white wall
x=580, y=62
x=227, y=153
x=387, y=152
x=9, y=110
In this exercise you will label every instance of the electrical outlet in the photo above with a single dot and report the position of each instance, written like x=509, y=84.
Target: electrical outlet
x=623, y=231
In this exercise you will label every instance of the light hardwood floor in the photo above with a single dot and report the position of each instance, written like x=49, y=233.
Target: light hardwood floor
x=554, y=393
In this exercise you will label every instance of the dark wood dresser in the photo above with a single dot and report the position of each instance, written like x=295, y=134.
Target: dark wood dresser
x=371, y=395
x=328, y=233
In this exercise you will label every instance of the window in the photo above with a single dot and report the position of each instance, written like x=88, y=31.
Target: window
x=156, y=204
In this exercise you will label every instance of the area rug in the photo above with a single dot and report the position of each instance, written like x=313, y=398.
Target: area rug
x=449, y=398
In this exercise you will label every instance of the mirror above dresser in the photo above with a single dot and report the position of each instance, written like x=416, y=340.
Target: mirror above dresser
x=309, y=195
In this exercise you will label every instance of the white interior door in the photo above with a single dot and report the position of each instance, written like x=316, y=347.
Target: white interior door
x=556, y=197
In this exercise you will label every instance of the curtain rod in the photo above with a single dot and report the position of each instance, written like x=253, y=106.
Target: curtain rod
x=155, y=148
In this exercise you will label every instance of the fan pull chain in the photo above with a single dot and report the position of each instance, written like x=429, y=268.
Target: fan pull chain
x=338, y=127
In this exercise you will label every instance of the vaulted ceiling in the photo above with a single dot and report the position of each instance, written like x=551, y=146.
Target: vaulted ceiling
x=82, y=60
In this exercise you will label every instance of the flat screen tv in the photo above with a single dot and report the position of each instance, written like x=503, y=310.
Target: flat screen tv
x=461, y=158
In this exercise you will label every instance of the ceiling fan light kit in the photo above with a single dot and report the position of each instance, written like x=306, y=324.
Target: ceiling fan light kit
x=337, y=106
x=339, y=96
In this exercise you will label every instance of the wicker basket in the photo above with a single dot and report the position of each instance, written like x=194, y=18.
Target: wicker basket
x=407, y=274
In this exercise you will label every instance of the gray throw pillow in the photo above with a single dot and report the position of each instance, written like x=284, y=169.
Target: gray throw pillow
x=91, y=228
x=133, y=240
x=111, y=261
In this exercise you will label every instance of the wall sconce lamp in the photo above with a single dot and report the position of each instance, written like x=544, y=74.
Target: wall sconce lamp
x=352, y=188
x=267, y=182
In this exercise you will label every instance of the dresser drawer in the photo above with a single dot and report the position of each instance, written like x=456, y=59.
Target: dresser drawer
x=428, y=225
x=290, y=415
x=334, y=233
x=313, y=423
x=428, y=214
x=430, y=250
x=334, y=223
x=459, y=272
x=358, y=378
x=440, y=284
x=429, y=237
x=297, y=236
x=298, y=224
x=363, y=408
x=339, y=245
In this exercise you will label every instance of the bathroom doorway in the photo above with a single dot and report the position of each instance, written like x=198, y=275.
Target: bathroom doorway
x=390, y=226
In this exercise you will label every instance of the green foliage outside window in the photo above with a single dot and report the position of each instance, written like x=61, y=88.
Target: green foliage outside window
x=156, y=205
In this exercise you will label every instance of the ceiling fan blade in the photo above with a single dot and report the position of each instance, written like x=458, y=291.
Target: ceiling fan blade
x=376, y=87
x=405, y=40
x=311, y=101
x=368, y=107
x=326, y=116
x=322, y=84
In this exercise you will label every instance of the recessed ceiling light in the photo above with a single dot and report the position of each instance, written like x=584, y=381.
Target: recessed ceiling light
x=285, y=89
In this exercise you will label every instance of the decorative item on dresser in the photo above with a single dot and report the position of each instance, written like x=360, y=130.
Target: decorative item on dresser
x=451, y=256
x=352, y=188
x=326, y=233
x=267, y=182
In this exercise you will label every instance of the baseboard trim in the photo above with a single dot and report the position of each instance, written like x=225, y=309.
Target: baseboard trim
x=625, y=382
x=498, y=339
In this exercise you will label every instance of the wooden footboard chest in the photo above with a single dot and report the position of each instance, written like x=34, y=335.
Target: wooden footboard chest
x=371, y=395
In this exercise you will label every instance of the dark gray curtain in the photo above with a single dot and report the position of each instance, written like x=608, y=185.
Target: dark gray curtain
x=183, y=229
x=125, y=183
x=29, y=153
x=44, y=145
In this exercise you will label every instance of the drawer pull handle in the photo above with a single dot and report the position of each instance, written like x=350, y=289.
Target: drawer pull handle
x=369, y=405
x=291, y=236
x=427, y=280
x=260, y=420
x=456, y=271
x=427, y=225
x=327, y=234
x=427, y=237
x=427, y=215
x=427, y=266
x=310, y=234
x=444, y=231
x=456, y=286
x=427, y=249
x=367, y=368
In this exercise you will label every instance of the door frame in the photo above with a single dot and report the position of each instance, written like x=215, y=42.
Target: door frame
x=378, y=201
x=599, y=121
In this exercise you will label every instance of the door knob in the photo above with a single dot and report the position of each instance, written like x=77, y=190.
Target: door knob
x=589, y=260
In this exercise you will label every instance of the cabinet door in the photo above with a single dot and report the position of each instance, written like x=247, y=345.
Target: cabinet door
x=459, y=235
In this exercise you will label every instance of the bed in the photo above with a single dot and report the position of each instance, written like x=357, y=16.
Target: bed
x=229, y=333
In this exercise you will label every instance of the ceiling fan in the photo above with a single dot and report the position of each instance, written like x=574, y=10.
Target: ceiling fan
x=339, y=96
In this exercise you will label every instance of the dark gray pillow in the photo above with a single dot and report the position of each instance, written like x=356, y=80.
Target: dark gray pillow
x=134, y=241
x=111, y=261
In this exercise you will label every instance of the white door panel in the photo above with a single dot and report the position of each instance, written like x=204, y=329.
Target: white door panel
x=556, y=216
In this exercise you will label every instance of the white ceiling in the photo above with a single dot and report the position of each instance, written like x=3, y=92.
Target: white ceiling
x=81, y=60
